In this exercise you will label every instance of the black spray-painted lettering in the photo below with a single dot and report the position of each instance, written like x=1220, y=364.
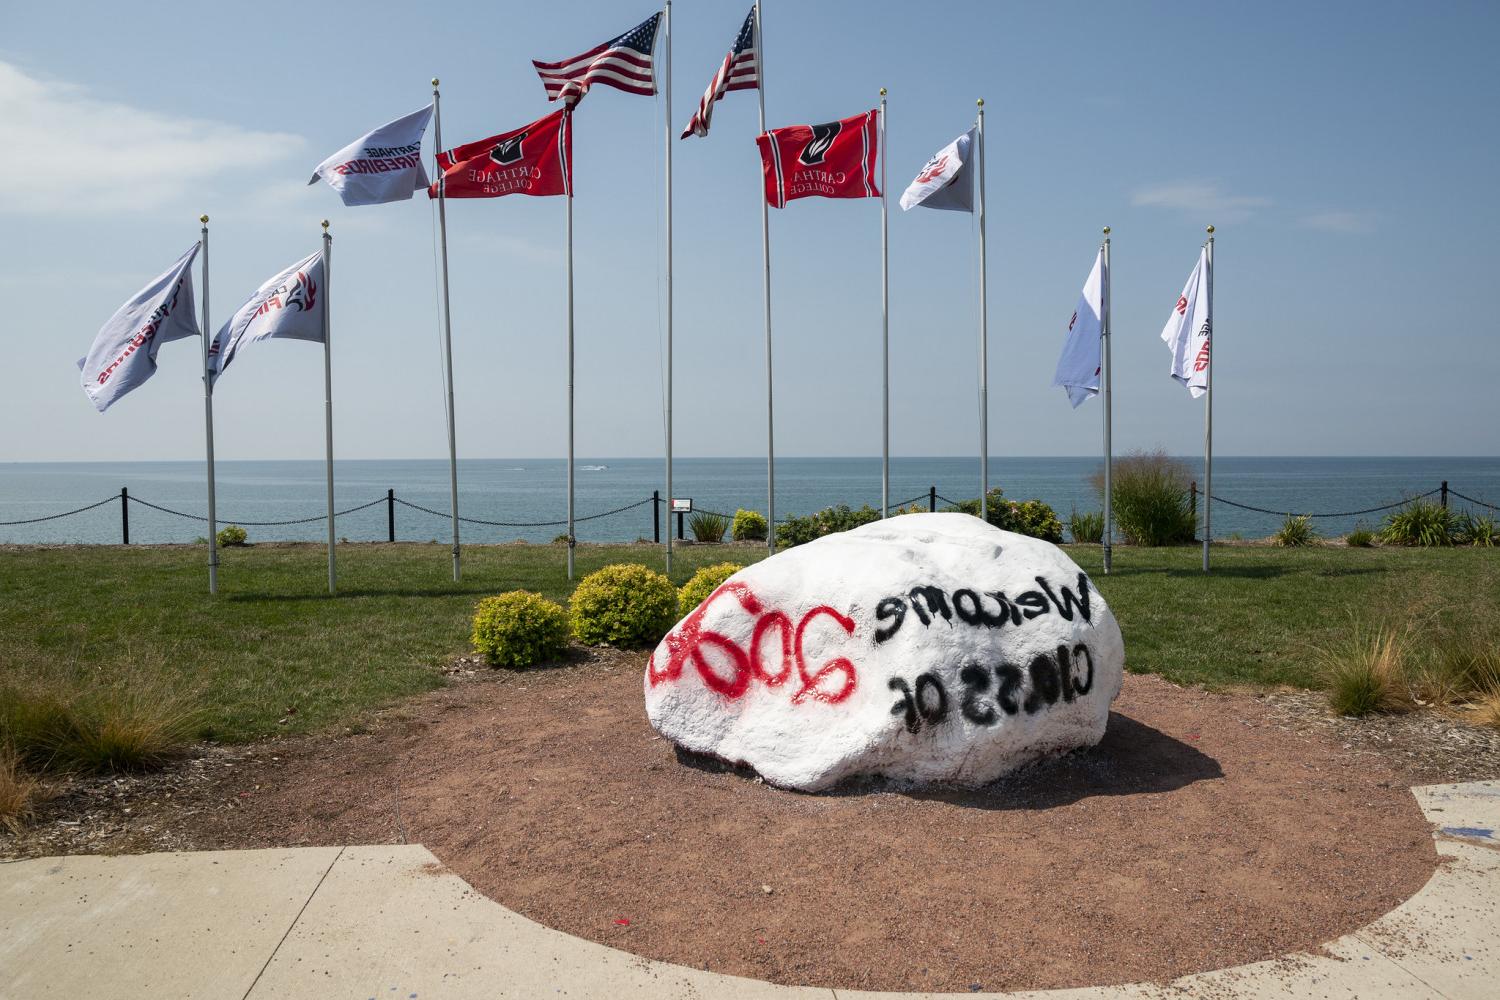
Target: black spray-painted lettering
x=931, y=603
x=1065, y=675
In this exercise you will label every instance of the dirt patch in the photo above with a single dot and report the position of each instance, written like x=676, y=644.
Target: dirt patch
x=1206, y=830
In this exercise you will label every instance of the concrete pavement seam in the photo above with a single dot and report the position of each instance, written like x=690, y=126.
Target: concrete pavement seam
x=289, y=927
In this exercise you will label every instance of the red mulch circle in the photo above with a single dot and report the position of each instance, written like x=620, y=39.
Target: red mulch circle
x=1205, y=831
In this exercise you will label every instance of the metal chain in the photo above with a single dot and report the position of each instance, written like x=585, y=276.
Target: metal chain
x=1480, y=503
x=1347, y=513
x=68, y=513
x=523, y=524
x=256, y=524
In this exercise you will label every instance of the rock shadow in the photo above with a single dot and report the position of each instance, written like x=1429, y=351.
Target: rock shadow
x=1132, y=759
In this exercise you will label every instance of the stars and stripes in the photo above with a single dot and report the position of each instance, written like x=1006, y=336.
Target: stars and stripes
x=624, y=63
x=740, y=71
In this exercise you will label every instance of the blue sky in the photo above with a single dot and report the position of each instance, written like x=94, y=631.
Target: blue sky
x=1347, y=153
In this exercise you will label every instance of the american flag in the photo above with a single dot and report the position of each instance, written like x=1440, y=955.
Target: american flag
x=623, y=63
x=740, y=71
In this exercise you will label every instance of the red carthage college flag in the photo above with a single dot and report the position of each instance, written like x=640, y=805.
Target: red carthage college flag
x=534, y=159
x=836, y=160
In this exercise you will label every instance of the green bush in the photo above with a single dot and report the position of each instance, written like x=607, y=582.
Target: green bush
x=231, y=535
x=1420, y=522
x=708, y=527
x=1088, y=527
x=519, y=629
x=1475, y=529
x=623, y=605
x=703, y=583
x=1028, y=517
x=1296, y=531
x=561, y=539
x=749, y=526
x=1360, y=538
x=829, y=520
x=1151, y=502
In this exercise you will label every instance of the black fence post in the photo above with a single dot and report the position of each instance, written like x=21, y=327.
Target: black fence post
x=656, y=515
x=124, y=515
x=679, y=525
x=931, y=499
x=390, y=515
x=1445, y=494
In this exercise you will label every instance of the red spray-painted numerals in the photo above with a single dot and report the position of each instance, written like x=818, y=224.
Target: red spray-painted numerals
x=832, y=682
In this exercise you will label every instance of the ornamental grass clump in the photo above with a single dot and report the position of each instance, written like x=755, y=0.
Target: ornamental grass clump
x=1421, y=523
x=623, y=605
x=1150, y=498
x=703, y=583
x=131, y=723
x=1087, y=527
x=1367, y=672
x=708, y=527
x=1475, y=529
x=1295, y=532
x=16, y=791
x=1360, y=538
x=749, y=526
x=519, y=629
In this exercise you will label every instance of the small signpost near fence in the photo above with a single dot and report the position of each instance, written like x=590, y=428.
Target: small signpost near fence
x=681, y=506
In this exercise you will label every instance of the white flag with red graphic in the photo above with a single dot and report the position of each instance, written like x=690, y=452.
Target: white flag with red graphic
x=289, y=306
x=946, y=180
x=1188, y=331
x=123, y=354
x=1078, y=368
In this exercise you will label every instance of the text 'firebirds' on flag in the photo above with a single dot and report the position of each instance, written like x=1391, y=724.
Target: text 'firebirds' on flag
x=739, y=71
x=123, y=354
x=624, y=62
x=835, y=160
x=534, y=159
x=383, y=166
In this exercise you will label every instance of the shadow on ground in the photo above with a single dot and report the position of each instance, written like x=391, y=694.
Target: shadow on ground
x=1132, y=759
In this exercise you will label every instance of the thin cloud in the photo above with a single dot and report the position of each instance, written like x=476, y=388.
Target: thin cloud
x=1350, y=223
x=110, y=157
x=1207, y=202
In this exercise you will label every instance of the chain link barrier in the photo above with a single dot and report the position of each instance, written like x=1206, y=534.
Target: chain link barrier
x=1477, y=503
x=522, y=524
x=1342, y=513
x=66, y=513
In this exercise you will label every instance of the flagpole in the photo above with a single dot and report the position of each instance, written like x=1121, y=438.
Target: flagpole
x=667, y=133
x=885, y=331
x=1109, y=452
x=572, y=541
x=765, y=251
x=328, y=395
x=208, y=426
x=437, y=136
x=1208, y=413
x=984, y=341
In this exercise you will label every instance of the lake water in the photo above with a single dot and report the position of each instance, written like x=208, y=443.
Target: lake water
x=532, y=490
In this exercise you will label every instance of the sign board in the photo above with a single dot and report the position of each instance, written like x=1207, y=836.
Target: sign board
x=682, y=505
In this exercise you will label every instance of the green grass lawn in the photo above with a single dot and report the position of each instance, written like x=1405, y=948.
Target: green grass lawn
x=273, y=640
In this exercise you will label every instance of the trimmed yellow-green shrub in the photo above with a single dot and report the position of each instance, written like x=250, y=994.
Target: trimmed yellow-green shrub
x=231, y=535
x=749, y=526
x=623, y=605
x=519, y=629
x=703, y=583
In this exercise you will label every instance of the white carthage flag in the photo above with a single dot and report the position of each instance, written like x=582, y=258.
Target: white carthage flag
x=385, y=165
x=1187, y=332
x=290, y=306
x=123, y=354
x=1078, y=368
x=946, y=181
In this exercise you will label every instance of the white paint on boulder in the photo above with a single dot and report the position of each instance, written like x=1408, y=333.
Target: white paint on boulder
x=929, y=648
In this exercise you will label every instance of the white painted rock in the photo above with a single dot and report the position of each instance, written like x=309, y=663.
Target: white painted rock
x=929, y=648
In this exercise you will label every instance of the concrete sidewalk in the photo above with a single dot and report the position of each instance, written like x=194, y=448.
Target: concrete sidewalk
x=369, y=923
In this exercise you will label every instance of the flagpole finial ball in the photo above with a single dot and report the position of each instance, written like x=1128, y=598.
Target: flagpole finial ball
x=325, y=225
x=882, y=91
x=981, y=102
x=203, y=219
x=1106, y=230
x=434, y=81
x=1210, y=230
